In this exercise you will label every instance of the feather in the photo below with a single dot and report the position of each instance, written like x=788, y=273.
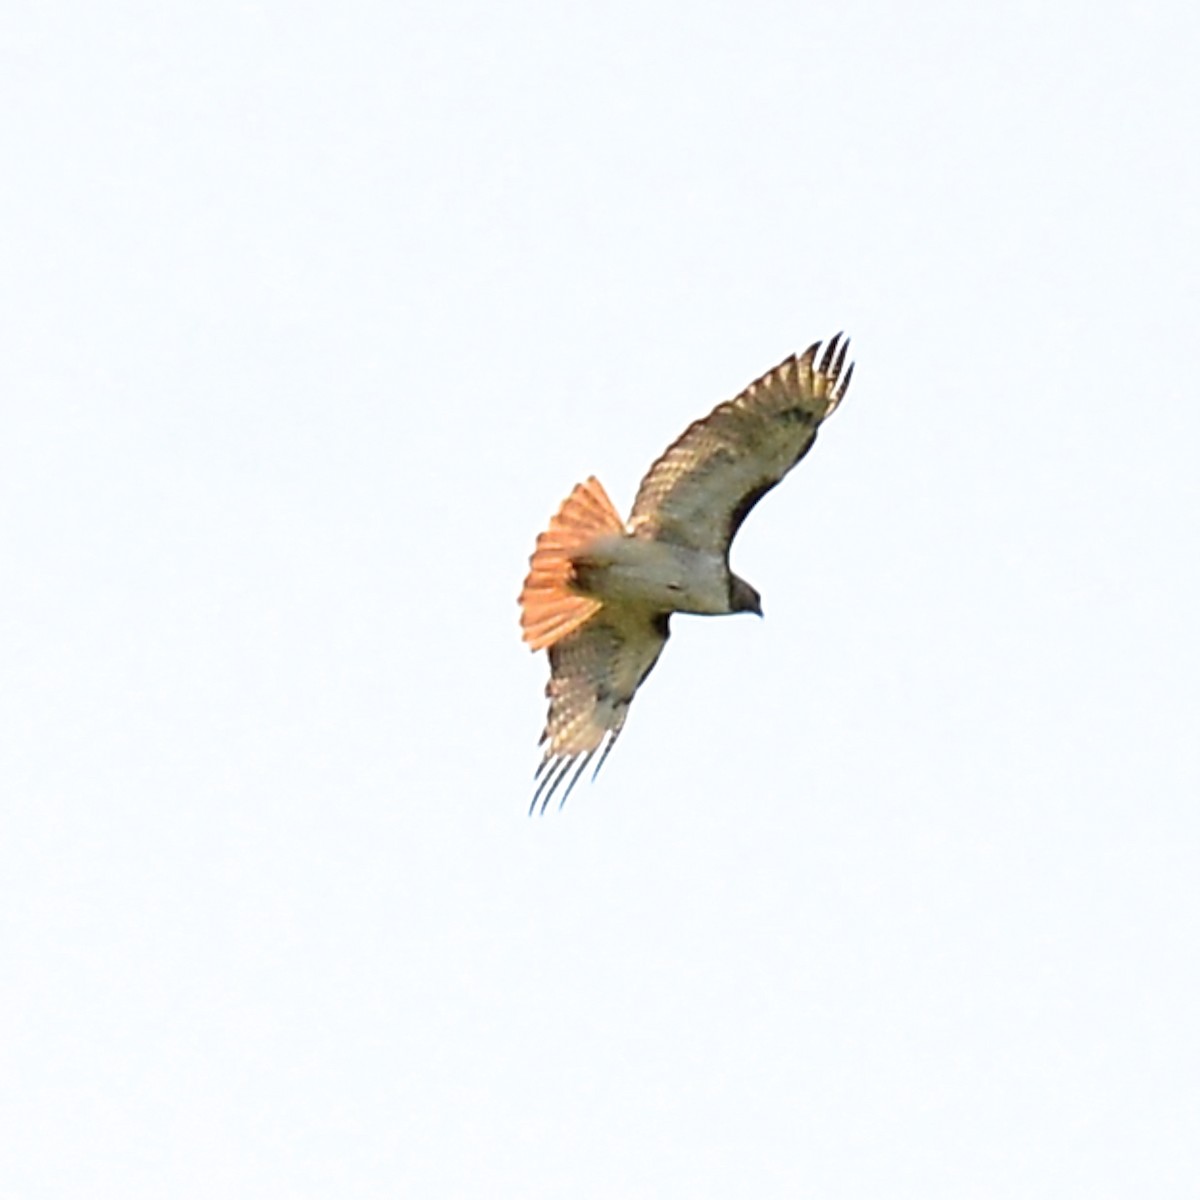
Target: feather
x=550, y=607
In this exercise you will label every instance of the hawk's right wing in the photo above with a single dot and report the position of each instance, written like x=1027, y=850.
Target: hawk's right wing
x=594, y=673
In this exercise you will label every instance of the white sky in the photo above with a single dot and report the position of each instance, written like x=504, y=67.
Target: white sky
x=310, y=316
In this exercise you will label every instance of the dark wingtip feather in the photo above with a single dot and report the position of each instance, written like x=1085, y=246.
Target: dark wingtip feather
x=587, y=758
x=830, y=351
x=612, y=739
x=550, y=782
x=840, y=361
x=835, y=380
x=844, y=382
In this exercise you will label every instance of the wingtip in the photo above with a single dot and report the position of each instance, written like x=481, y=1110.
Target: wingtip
x=837, y=373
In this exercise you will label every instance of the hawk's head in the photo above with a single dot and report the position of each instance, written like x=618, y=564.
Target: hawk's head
x=742, y=597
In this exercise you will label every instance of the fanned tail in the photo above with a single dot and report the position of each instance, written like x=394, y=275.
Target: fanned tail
x=550, y=609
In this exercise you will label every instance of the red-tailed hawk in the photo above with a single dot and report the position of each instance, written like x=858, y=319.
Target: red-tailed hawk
x=600, y=592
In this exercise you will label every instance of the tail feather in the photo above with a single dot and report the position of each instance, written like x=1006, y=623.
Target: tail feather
x=550, y=609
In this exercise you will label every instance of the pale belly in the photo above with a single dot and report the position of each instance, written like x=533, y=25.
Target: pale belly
x=653, y=575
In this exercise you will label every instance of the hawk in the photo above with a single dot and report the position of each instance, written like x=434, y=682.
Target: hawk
x=600, y=591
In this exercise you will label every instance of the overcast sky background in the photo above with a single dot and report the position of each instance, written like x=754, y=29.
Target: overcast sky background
x=310, y=317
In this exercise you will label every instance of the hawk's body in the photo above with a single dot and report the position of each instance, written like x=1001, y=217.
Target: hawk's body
x=600, y=591
x=661, y=576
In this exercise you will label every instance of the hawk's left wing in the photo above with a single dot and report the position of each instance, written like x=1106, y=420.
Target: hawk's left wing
x=594, y=673
x=700, y=491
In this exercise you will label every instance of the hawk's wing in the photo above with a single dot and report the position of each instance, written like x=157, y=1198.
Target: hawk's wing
x=700, y=491
x=594, y=673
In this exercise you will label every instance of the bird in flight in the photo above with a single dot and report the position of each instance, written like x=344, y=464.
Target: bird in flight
x=600, y=591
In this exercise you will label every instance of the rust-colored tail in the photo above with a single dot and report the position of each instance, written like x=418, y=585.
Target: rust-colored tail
x=549, y=608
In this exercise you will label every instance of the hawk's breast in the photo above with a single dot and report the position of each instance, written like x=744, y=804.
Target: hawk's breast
x=653, y=575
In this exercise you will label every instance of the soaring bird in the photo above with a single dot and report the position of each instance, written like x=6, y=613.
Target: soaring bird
x=600, y=591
